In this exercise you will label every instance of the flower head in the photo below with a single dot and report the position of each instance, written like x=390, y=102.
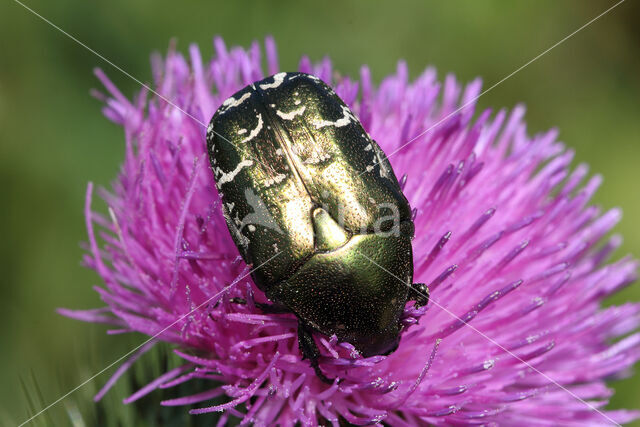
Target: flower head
x=505, y=238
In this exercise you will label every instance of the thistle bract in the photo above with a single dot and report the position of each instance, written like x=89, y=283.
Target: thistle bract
x=505, y=238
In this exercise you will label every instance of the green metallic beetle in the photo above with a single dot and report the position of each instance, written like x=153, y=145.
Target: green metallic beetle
x=310, y=198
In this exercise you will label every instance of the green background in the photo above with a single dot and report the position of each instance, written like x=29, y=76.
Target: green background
x=53, y=138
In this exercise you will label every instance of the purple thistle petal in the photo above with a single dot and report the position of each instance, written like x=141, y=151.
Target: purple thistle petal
x=244, y=396
x=195, y=398
x=123, y=368
x=95, y=315
x=153, y=385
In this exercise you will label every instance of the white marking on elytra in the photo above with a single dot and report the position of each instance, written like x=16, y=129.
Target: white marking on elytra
x=210, y=127
x=297, y=102
x=384, y=172
x=347, y=117
x=255, y=131
x=251, y=227
x=276, y=180
x=277, y=81
x=368, y=147
x=369, y=168
x=279, y=152
x=242, y=131
x=275, y=247
x=315, y=158
x=311, y=160
x=227, y=177
x=272, y=105
x=230, y=206
x=290, y=115
x=231, y=102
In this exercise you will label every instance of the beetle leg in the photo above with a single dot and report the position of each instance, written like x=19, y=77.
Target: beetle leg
x=420, y=294
x=310, y=351
x=265, y=308
x=272, y=308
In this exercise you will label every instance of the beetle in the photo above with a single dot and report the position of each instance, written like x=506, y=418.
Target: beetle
x=313, y=201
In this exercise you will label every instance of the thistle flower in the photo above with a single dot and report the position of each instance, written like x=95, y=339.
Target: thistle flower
x=505, y=237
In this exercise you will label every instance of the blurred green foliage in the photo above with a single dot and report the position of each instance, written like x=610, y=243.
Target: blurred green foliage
x=53, y=138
